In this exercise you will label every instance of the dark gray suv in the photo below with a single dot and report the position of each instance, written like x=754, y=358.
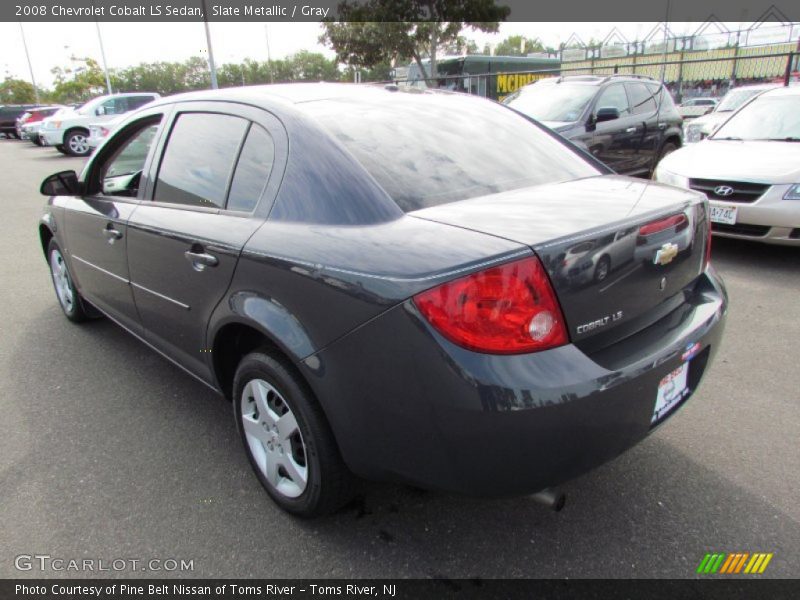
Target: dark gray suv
x=627, y=122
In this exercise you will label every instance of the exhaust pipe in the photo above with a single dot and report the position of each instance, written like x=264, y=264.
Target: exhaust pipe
x=554, y=499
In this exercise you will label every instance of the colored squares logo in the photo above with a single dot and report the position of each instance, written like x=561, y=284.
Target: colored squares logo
x=734, y=563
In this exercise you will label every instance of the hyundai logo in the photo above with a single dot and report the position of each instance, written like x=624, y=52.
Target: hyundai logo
x=723, y=190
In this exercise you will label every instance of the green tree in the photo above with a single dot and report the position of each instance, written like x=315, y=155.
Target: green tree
x=78, y=82
x=517, y=45
x=392, y=30
x=16, y=91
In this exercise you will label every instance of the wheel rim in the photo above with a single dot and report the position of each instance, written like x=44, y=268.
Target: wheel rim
x=62, y=281
x=274, y=438
x=77, y=143
x=602, y=270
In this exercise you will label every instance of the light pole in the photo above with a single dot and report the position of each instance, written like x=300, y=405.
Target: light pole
x=269, y=58
x=103, y=54
x=211, y=66
x=30, y=65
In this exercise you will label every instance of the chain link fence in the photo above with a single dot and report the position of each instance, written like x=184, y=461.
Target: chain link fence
x=711, y=75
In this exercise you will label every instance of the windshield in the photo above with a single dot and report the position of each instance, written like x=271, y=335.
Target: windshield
x=766, y=118
x=735, y=98
x=428, y=149
x=553, y=102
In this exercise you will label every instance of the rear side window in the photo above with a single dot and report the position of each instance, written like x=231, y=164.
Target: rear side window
x=198, y=160
x=642, y=100
x=252, y=170
x=430, y=149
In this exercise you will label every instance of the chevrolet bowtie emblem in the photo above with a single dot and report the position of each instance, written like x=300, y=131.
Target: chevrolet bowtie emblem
x=665, y=254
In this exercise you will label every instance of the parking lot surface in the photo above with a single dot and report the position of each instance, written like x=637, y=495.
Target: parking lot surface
x=108, y=451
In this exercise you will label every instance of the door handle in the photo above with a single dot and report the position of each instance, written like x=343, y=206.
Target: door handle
x=201, y=260
x=111, y=233
x=631, y=129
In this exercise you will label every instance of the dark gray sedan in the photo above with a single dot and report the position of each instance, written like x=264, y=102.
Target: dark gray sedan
x=409, y=286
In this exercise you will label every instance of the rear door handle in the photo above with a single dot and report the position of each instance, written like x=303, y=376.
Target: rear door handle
x=111, y=233
x=631, y=129
x=200, y=260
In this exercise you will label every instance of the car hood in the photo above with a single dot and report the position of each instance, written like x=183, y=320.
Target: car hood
x=761, y=162
x=711, y=119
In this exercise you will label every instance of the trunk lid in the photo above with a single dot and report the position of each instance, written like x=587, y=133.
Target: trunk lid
x=620, y=252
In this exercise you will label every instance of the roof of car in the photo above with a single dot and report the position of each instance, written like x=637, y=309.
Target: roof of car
x=297, y=93
x=792, y=90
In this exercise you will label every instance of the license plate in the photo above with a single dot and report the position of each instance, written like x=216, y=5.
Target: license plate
x=671, y=390
x=724, y=214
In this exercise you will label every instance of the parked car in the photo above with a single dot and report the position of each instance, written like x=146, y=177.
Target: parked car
x=701, y=127
x=100, y=131
x=627, y=122
x=29, y=123
x=69, y=132
x=8, y=118
x=385, y=301
x=696, y=107
x=749, y=169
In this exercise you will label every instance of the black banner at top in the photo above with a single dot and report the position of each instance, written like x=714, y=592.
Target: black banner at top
x=405, y=10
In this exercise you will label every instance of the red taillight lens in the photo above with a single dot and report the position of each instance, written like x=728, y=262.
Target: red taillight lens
x=510, y=309
x=35, y=117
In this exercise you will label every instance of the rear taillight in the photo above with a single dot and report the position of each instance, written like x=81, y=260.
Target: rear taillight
x=510, y=309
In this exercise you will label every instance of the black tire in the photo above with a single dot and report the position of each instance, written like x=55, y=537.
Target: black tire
x=329, y=483
x=76, y=143
x=75, y=310
x=36, y=141
x=60, y=148
x=602, y=268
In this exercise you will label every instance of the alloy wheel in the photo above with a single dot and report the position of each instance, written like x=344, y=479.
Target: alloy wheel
x=274, y=438
x=62, y=281
x=78, y=144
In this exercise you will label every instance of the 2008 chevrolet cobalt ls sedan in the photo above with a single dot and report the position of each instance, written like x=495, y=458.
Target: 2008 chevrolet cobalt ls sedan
x=392, y=284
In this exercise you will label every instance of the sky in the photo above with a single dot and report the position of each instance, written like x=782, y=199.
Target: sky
x=126, y=44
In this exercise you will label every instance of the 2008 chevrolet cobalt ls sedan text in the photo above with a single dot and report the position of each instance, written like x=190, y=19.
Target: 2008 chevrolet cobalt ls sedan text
x=419, y=287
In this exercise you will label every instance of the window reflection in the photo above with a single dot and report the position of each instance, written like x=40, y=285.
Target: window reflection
x=198, y=160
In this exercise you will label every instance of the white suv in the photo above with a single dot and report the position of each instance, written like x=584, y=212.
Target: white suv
x=69, y=132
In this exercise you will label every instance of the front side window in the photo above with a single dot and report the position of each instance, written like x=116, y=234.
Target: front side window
x=198, y=160
x=121, y=174
x=613, y=97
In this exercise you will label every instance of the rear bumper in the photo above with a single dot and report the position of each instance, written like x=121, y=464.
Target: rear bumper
x=51, y=137
x=406, y=405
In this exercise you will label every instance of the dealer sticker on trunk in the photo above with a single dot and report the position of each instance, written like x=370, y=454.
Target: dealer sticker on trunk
x=671, y=390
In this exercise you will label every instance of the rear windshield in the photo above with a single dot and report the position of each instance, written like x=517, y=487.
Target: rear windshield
x=427, y=149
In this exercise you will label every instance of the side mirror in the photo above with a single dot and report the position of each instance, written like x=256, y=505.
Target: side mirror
x=607, y=113
x=100, y=111
x=64, y=183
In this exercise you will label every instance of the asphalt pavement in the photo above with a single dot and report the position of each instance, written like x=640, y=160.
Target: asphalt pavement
x=108, y=452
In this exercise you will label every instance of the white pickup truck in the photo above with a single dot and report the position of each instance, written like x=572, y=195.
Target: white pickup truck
x=69, y=132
